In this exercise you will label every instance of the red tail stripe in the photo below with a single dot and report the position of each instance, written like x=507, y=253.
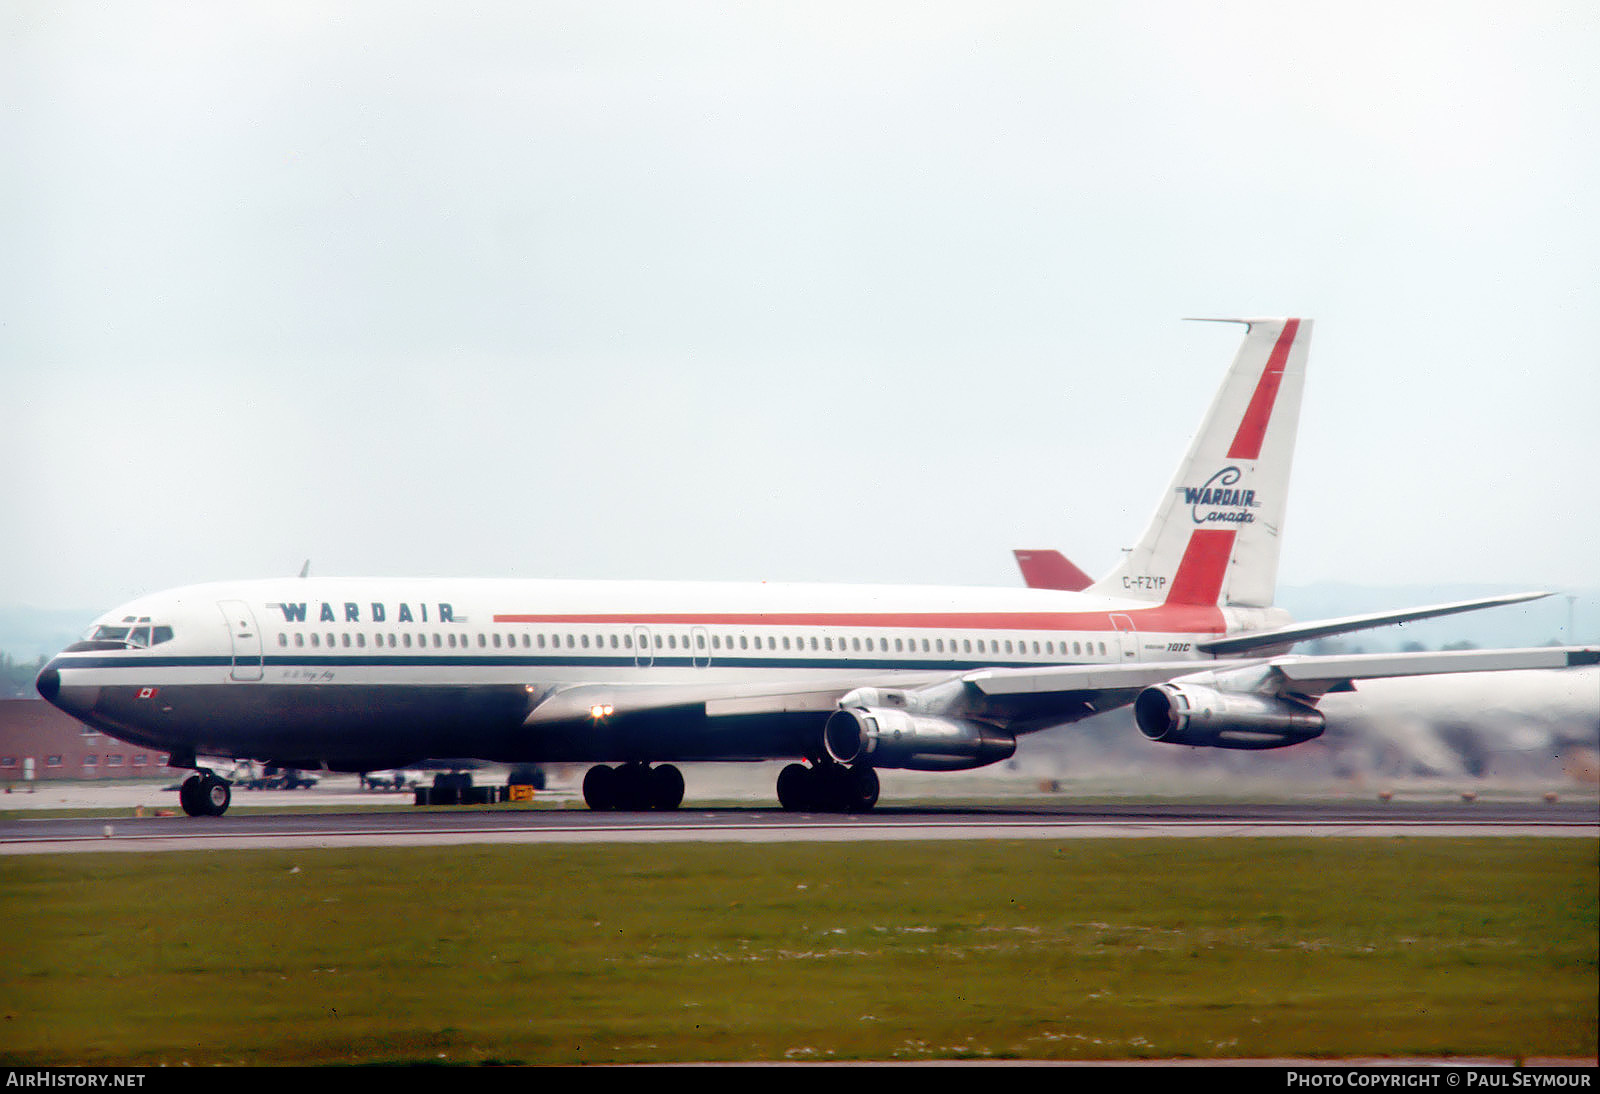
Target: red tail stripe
x=1247, y=442
x=1205, y=563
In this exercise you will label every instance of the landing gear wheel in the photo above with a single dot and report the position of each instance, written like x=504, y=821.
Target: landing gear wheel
x=666, y=788
x=215, y=795
x=204, y=795
x=795, y=791
x=189, y=796
x=862, y=789
x=600, y=788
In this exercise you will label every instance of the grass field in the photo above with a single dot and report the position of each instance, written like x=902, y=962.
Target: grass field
x=1086, y=949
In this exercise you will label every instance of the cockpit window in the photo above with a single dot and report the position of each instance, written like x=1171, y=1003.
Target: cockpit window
x=136, y=636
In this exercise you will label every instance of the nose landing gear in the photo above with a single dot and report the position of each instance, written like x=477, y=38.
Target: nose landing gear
x=203, y=794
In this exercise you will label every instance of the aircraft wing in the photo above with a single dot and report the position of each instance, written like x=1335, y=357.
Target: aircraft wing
x=1322, y=628
x=1304, y=676
x=1030, y=699
x=1317, y=676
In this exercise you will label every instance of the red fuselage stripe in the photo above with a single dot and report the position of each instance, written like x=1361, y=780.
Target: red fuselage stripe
x=1167, y=618
x=1253, y=428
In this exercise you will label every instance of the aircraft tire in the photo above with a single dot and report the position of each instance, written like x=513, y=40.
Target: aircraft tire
x=862, y=787
x=600, y=788
x=666, y=787
x=189, y=796
x=795, y=792
x=634, y=790
x=215, y=796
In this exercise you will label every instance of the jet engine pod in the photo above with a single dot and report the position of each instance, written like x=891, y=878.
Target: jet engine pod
x=895, y=738
x=1187, y=714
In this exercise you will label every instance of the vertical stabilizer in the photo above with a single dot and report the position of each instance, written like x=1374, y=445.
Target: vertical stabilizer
x=1215, y=536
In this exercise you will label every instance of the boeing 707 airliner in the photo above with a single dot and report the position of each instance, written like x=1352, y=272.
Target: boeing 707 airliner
x=361, y=674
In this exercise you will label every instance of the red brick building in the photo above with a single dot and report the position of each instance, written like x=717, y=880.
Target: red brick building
x=61, y=747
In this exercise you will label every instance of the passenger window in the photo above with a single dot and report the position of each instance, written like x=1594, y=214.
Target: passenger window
x=283, y=640
x=361, y=640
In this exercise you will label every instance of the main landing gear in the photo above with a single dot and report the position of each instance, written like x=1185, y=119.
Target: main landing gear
x=634, y=786
x=203, y=794
x=828, y=788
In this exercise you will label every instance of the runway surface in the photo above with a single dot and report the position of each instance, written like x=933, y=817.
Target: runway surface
x=424, y=827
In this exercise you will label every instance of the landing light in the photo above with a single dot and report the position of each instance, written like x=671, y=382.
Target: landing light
x=600, y=711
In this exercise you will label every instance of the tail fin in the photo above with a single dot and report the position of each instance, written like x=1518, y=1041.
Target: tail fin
x=1215, y=536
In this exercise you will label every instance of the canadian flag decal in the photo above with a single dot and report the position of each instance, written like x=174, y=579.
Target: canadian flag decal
x=147, y=693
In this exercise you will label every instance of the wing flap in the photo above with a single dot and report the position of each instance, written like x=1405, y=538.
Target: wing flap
x=1084, y=678
x=590, y=700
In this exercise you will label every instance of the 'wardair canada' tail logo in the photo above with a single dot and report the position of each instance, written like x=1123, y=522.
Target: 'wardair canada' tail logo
x=1220, y=501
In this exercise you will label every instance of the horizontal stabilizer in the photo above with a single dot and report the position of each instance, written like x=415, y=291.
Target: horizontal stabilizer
x=1301, y=632
x=1043, y=568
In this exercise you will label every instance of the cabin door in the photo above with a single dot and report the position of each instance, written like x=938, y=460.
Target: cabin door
x=1127, y=636
x=246, y=639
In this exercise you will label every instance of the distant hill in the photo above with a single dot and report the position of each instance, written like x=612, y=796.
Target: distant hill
x=28, y=633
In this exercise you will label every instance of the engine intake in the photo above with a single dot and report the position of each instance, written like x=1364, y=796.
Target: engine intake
x=916, y=742
x=1187, y=714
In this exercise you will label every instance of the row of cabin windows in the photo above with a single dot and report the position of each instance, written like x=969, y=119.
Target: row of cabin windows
x=525, y=641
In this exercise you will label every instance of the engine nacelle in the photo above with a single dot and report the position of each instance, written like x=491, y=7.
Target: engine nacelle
x=918, y=742
x=1188, y=714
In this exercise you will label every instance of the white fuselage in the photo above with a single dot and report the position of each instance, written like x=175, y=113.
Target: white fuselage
x=269, y=665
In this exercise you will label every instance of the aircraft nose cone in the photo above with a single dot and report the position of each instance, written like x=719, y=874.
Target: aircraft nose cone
x=49, y=684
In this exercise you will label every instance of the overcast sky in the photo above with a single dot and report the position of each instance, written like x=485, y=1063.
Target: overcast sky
x=842, y=292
